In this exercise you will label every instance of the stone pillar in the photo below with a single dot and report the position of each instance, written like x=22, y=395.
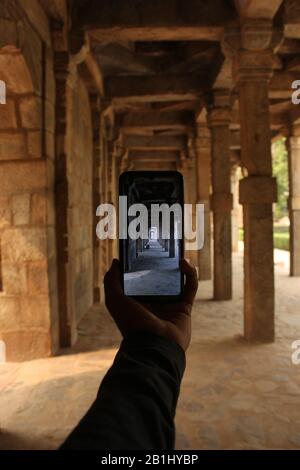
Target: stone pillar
x=188, y=169
x=96, y=110
x=104, y=190
x=103, y=174
x=252, y=65
x=114, y=195
x=203, y=165
x=172, y=238
x=221, y=200
x=235, y=208
x=294, y=204
x=67, y=331
x=160, y=237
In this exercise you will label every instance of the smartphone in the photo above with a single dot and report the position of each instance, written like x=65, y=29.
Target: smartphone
x=151, y=241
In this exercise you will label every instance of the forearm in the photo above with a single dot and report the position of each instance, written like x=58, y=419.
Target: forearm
x=136, y=402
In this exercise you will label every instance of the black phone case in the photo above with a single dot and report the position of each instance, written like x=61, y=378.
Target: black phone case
x=153, y=298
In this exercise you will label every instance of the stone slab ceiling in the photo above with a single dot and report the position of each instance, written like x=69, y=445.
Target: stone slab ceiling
x=166, y=55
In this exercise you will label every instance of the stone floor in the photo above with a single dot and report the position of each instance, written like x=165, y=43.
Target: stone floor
x=234, y=395
x=153, y=272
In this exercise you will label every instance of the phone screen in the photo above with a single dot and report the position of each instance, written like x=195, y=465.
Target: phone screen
x=152, y=205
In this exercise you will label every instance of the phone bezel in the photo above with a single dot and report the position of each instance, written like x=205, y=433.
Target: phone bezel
x=155, y=298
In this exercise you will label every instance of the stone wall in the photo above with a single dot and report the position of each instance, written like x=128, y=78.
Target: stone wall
x=28, y=307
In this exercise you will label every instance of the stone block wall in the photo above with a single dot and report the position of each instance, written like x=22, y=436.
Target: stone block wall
x=28, y=289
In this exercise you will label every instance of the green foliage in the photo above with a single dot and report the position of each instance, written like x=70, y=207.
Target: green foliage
x=281, y=241
x=281, y=237
x=280, y=171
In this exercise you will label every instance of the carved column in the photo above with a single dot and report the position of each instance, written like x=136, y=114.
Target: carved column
x=294, y=203
x=67, y=332
x=203, y=171
x=221, y=200
x=193, y=192
x=172, y=237
x=252, y=65
x=188, y=170
x=104, y=246
x=235, y=208
x=96, y=111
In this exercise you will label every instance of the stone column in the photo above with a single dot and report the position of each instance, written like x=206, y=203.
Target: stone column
x=221, y=200
x=203, y=165
x=252, y=65
x=113, y=195
x=103, y=175
x=235, y=208
x=96, y=110
x=160, y=237
x=294, y=204
x=67, y=328
x=103, y=193
x=188, y=169
x=172, y=237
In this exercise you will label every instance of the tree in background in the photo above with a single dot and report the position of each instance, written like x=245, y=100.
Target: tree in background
x=280, y=171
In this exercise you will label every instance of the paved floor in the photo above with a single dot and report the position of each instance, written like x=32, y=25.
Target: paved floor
x=234, y=395
x=153, y=272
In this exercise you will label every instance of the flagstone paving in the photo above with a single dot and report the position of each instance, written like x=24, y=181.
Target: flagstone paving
x=233, y=395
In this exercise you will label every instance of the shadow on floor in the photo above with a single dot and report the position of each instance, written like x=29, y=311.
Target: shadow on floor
x=96, y=331
x=40, y=417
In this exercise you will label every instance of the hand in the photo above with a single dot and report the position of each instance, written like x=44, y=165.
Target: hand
x=171, y=320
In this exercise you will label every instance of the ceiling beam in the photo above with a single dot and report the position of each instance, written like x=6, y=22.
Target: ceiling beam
x=292, y=19
x=266, y=9
x=150, y=156
x=141, y=142
x=156, y=87
x=156, y=121
x=91, y=74
x=135, y=20
x=164, y=33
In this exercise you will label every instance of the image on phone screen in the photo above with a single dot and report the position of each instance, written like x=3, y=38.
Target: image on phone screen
x=151, y=261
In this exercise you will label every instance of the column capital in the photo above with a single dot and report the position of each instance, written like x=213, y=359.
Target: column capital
x=221, y=202
x=256, y=34
x=219, y=108
x=219, y=117
x=253, y=34
x=203, y=136
x=203, y=142
x=250, y=66
x=294, y=142
x=202, y=130
x=251, y=47
x=258, y=190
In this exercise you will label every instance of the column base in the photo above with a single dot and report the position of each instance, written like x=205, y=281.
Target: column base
x=222, y=256
x=259, y=273
x=295, y=243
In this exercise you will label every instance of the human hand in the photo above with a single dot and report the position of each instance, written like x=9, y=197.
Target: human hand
x=171, y=320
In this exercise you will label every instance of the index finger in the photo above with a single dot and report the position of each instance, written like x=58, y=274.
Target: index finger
x=112, y=279
x=191, y=282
